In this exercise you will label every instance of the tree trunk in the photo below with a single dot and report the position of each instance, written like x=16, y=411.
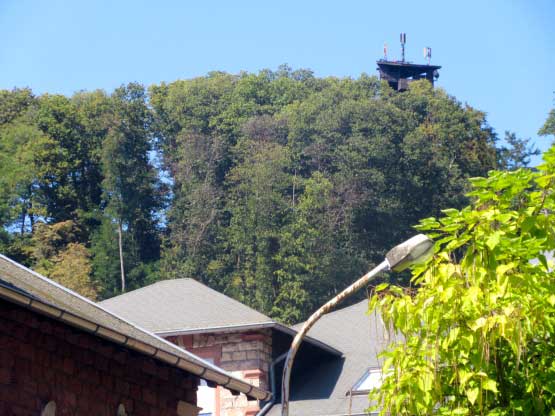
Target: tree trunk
x=121, y=257
x=294, y=183
x=23, y=216
x=30, y=212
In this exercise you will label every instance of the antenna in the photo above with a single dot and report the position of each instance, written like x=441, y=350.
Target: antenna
x=385, y=51
x=403, y=41
x=428, y=54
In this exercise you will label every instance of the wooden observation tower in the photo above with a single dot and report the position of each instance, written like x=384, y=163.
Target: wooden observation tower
x=399, y=74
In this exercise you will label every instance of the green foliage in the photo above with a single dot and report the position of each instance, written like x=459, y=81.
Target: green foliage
x=518, y=154
x=14, y=103
x=73, y=270
x=57, y=254
x=246, y=153
x=258, y=208
x=130, y=183
x=105, y=259
x=20, y=202
x=549, y=127
x=67, y=160
x=52, y=173
x=277, y=179
x=308, y=253
x=477, y=336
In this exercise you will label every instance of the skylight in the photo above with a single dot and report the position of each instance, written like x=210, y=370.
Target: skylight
x=372, y=379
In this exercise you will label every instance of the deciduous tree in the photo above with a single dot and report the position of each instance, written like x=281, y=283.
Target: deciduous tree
x=477, y=334
x=130, y=184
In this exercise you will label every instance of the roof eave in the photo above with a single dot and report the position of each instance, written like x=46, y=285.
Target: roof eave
x=406, y=64
x=246, y=327
x=219, y=328
x=208, y=372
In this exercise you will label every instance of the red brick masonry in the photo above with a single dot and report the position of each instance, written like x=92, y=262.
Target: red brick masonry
x=245, y=354
x=44, y=360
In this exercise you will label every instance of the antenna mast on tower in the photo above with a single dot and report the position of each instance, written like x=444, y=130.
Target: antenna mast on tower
x=428, y=54
x=403, y=41
x=399, y=74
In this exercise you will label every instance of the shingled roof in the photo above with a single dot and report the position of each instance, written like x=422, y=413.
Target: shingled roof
x=323, y=389
x=27, y=288
x=182, y=305
x=186, y=306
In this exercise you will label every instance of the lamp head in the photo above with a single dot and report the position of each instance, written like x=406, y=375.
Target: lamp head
x=415, y=250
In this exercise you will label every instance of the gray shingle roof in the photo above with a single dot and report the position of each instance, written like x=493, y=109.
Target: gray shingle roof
x=23, y=286
x=186, y=306
x=180, y=305
x=322, y=389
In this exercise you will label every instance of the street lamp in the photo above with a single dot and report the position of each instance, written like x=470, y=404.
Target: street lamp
x=415, y=250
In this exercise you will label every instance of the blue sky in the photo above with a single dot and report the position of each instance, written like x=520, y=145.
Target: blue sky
x=497, y=56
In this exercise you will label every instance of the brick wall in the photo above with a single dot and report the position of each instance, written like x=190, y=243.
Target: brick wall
x=246, y=355
x=43, y=360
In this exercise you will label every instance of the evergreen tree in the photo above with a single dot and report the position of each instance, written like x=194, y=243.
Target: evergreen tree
x=518, y=154
x=548, y=127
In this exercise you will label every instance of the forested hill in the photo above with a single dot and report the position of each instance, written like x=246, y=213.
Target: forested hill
x=276, y=188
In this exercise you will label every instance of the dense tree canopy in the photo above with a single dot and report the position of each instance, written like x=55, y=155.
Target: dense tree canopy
x=59, y=156
x=276, y=188
x=287, y=186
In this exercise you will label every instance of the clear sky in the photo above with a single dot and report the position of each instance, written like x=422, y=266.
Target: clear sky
x=497, y=56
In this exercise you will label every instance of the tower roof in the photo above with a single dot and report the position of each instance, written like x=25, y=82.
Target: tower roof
x=400, y=74
x=420, y=68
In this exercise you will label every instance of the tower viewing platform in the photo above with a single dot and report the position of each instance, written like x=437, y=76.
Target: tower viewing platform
x=399, y=74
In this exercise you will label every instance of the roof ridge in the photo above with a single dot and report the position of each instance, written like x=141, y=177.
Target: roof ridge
x=140, y=289
x=145, y=287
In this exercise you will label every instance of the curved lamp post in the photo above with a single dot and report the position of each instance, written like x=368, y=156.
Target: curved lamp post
x=415, y=250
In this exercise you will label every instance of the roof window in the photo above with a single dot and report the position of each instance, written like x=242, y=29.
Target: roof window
x=372, y=379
